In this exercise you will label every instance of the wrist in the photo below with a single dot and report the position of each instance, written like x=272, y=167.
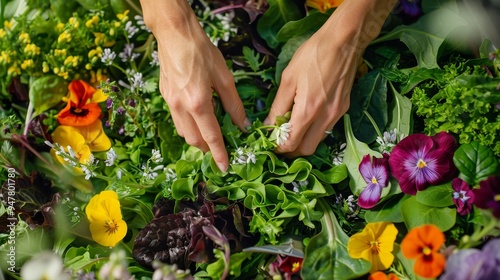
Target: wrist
x=167, y=15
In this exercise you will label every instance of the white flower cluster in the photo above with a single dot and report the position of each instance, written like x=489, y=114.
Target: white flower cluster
x=389, y=140
x=244, y=156
x=72, y=159
x=282, y=133
x=299, y=186
x=338, y=154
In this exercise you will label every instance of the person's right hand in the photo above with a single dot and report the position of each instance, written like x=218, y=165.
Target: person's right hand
x=191, y=69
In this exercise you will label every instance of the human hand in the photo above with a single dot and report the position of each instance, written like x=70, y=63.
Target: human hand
x=316, y=84
x=191, y=69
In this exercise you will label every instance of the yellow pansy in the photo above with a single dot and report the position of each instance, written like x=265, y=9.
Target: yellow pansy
x=374, y=244
x=94, y=136
x=106, y=224
x=68, y=136
x=323, y=5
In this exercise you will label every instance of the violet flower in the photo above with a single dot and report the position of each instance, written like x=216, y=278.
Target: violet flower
x=474, y=264
x=419, y=161
x=375, y=172
x=408, y=10
x=488, y=195
x=462, y=196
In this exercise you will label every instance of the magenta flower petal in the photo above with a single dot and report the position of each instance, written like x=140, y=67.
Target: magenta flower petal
x=463, y=196
x=370, y=196
x=375, y=172
x=419, y=161
x=488, y=195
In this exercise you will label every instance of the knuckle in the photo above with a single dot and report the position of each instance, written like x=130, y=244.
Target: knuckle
x=195, y=141
x=212, y=138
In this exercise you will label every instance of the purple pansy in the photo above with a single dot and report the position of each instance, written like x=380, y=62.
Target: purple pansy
x=474, y=264
x=375, y=172
x=488, y=195
x=462, y=196
x=419, y=161
x=408, y=10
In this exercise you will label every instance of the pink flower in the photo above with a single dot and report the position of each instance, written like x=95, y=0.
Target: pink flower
x=488, y=195
x=462, y=196
x=419, y=161
x=375, y=172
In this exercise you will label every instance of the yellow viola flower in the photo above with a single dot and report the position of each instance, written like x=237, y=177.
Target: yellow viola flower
x=104, y=215
x=2, y=33
x=94, y=136
x=374, y=244
x=323, y=5
x=68, y=136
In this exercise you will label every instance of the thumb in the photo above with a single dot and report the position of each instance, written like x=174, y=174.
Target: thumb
x=282, y=103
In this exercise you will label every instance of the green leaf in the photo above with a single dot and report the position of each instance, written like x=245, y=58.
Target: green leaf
x=425, y=37
x=252, y=58
x=287, y=52
x=326, y=255
x=277, y=15
x=183, y=188
x=475, y=162
x=354, y=152
x=420, y=75
x=370, y=96
x=85, y=258
x=388, y=210
x=436, y=196
x=250, y=171
x=417, y=214
x=304, y=26
x=400, y=114
x=46, y=92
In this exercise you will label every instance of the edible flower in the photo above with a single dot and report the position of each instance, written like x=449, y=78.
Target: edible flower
x=106, y=224
x=323, y=5
x=375, y=172
x=422, y=244
x=488, y=195
x=462, y=196
x=379, y=275
x=82, y=108
x=419, y=161
x=374, y=244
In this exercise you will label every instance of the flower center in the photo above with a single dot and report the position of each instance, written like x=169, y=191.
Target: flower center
x=374, y=246
x=111, y=226
x=497, y=197
x=295, y=267
x=426, y=251
x=462, y=195
x=79, y=112
x=421, y=163
x=374, y=180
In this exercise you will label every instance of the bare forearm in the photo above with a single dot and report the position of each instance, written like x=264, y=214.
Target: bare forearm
x=359, y=22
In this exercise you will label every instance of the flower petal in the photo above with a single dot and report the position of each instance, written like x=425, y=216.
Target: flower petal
x=87, y=115
x=370, y=196
x=430, y=266
x=95, y=137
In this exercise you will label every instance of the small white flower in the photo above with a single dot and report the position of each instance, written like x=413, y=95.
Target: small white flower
x=156, y=156
x=282, y=133
x=128, y=55
x=338, y=154
x=155, y=61
x=130, y=29
x=170, y=175
x=108, y=56
x=45, y=265
x=110, y=157
x=141, y=24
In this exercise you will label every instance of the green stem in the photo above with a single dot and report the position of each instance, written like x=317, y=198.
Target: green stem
x=373, y=123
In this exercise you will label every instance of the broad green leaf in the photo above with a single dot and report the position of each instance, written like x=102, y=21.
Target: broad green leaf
x=183, y=188
x=64, y=9
x=420, y=75
x=250, y=171
x=425, y=37
x=305, y=208
x=46, y=92
x=334, y=175
x=436, y=196
x=170, y=144
x=388, y=210
x=400, y=114
x=370, y=96
x=278, y=14
x=475, y=162
x=354, y=152
x=85, y=258
x=417, y=214
x=307, y=25
x=326, y=255
x=287, y=52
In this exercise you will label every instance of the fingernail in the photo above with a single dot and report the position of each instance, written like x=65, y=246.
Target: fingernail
x=267, y=121
x=247, y=124
x=221, y=166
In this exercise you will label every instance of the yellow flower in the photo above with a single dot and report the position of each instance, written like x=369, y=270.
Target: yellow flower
x=13, y=70
x=2, y=33
x=60, y=52
x=32, y=49
x=59, y=27
x=94, y=136
x=93, y=21
x=68, y=136
x=64, y=37
x=28, y=63
x=74, y=21
x=374, y=244
x=106, y=224
x=8, y=24
x=323, y=5
x=24, y=38
x=123, y=17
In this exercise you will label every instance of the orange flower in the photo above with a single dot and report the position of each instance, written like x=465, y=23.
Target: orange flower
x=422, y=244
x=323, y=5
x=379, y=275
x=82, y=108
